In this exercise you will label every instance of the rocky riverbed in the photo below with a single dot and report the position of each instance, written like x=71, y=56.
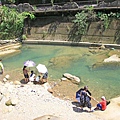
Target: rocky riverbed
x=33, y=102
x=28, y=102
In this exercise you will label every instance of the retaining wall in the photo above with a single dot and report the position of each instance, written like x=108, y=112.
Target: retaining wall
x=59, y=28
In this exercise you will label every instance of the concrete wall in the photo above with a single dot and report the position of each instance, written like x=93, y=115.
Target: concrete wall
x=59, y=28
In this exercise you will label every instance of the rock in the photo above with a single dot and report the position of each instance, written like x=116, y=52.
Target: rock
x=25, y=7
x=63, y=79
x=113, y=58
x=102, y=4
x=56, y=7
x=17, y=82
x=7, y=77
x=50, y=90
x=48, y=117
x=102, y=47
x=1, y=96
x=70, y=5
x=8, y=103
x=48, y=87
x=71, y=77
x=14, y=101
x=4, y=80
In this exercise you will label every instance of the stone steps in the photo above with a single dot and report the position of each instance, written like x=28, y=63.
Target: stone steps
x=9, y=48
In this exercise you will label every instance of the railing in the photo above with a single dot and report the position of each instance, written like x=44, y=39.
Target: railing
x=88, y=2
x=82, y=4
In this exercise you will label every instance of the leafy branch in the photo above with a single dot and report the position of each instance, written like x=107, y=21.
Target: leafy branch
x=12, y=22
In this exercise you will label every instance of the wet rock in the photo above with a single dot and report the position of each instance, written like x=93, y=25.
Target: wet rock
x=113, y=58
x=71, y=77
x=105, y=65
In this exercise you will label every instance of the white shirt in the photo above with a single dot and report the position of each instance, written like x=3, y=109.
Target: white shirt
x=32, y=78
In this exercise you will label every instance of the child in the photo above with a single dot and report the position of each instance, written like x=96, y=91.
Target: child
x=32, y=77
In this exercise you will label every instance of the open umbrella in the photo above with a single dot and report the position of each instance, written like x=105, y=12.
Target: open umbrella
x=41, y=68
x=29, y=63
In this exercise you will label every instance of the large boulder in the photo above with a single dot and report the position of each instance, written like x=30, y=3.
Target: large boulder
x=26, y=7
x=70, y=5
x=71, y=77
x=111, y=62
x=113, y=58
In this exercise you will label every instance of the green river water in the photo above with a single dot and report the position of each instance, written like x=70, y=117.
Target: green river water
x=77, y=61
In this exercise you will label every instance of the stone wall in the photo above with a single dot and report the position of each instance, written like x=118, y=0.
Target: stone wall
x=59, y=28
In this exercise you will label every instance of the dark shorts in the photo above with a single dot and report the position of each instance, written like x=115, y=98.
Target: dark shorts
x=86, y=104
x=45, y=76
x=26, y=76
x=99, y=106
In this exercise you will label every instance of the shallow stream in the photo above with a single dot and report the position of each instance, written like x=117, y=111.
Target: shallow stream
x=77, y=61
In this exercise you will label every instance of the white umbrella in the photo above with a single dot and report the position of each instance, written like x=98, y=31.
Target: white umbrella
x=29, y=63
x=41, y=68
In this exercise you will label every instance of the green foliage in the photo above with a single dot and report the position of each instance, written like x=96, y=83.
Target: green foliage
x=81, y=23
x=12, y=22
x=91, y=15
x=84, y=18
x=52, y=2
x=24, y=37
x=79, y=28
x=89, y=8
x=106, y=18
x=8, y=1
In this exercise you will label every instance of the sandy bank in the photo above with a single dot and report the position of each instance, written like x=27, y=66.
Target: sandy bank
x=35, y=101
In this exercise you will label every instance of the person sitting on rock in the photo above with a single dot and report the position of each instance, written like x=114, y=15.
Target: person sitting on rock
x=102, y=105
x=43, y=77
